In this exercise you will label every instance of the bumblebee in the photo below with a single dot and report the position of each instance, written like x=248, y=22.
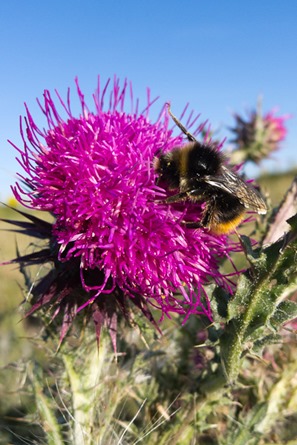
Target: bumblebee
x=198, y=171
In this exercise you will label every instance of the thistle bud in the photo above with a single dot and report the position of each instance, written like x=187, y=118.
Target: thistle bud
x=257, y=136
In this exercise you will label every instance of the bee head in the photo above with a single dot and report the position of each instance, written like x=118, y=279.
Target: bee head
x=166, y=166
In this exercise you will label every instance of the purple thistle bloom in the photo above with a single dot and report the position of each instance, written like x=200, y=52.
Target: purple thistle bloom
x=113, y=239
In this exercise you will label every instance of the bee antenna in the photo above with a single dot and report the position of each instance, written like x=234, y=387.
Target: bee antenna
x=180, y=125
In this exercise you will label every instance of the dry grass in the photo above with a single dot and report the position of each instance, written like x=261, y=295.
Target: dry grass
x=16, y=347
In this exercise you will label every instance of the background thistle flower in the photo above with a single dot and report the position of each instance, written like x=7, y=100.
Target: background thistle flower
x=113, y=239
x=257, y=136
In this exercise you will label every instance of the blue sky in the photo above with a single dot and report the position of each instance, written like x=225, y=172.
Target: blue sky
x=217, y=55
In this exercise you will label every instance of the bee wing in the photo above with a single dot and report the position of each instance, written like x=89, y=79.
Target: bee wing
x=233, y=184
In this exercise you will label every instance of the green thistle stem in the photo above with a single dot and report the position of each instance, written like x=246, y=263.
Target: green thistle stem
x=258, y=297
x=257, y=307
x=83, y=382
x=234, y=341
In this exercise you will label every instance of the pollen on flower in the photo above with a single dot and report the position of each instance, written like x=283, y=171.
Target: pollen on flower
x=113, y=236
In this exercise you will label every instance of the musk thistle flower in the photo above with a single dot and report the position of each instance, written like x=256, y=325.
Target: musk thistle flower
x=257, y=136
x=114, y=240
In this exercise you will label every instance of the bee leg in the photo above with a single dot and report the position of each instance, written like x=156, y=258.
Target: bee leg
x=206, y=221
x=176, y=198
x=192, y=224
x=195, y=195
x=182, y=196
x=207, y=218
